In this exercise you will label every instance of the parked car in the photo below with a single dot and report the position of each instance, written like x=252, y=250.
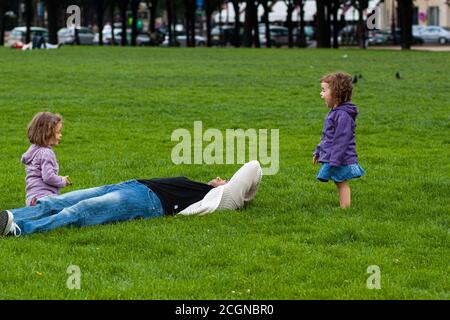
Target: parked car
x=379, y=37
x=67, y=36
x=416, y=30
x=385, y=37
x=435, y=34
x=416, y=39
x=142, y=39
x=279, y=36
x=17, y=35
x=309, y=33
x=181, y=40
x=225, y=35
x=348, y=35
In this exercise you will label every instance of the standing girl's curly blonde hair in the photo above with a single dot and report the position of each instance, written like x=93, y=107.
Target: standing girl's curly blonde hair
x=341, y=86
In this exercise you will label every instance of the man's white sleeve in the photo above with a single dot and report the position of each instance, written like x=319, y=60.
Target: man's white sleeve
x=242, y=187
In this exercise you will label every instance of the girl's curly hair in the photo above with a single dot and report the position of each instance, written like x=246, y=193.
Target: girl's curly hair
x=341, y=86
x=42, y=128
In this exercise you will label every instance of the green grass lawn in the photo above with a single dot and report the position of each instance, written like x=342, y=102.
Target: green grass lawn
x=120, y=106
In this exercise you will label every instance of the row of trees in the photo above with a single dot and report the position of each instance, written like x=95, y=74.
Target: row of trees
x=326, y=19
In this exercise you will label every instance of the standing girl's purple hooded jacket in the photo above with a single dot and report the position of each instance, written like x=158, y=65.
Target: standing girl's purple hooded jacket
x=42, y=173
x=337, y=146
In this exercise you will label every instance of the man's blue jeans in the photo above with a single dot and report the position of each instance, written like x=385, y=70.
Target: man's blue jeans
x=117, y=202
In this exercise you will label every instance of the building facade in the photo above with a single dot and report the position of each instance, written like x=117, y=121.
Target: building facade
x=425, y=12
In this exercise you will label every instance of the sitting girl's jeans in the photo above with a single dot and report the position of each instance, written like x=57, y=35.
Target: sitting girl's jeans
x=117, y=202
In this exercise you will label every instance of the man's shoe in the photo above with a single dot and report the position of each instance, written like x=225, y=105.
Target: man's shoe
x=6, y=220
x=7, y=224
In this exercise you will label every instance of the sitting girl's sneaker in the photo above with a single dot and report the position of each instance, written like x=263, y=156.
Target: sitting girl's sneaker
x=7, y=224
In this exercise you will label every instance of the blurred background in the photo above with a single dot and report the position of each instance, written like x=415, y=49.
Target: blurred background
x=201, y=23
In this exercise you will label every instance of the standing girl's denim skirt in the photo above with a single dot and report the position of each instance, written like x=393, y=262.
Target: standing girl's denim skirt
x=339, y=173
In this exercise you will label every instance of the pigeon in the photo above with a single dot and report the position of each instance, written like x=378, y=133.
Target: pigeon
x=355, y=79
x=397, y=75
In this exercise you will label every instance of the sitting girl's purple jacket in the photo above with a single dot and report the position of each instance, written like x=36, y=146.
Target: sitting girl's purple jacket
x=42, y=173
x=337, y=146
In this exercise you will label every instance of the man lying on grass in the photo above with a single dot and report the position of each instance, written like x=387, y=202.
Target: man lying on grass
x=134, y=199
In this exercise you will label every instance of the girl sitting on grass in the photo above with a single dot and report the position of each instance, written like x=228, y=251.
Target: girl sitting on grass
x=42, y=179
x=337, y=150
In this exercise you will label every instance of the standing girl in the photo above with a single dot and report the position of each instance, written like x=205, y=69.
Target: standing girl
x=337, y=150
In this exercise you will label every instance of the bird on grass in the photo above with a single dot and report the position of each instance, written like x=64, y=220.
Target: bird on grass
x=397, y=75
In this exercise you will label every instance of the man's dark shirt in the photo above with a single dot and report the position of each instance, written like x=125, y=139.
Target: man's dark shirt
x=177, y=193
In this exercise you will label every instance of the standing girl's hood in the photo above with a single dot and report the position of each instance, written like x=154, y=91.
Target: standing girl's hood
x=350, y=108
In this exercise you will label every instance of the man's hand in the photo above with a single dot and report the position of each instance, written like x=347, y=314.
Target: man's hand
x=217, y=182
x=315, y=159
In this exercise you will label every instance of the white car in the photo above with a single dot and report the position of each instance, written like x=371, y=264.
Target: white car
x=67, y=36
x=199, y=40
x=279, y=36
x=181, y=40
x=416, y=30
x=435, y=34
x=142, y=39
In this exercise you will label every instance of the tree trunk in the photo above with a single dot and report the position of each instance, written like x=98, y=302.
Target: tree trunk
x=290, y=10
x=361, y=30
x=265, y=4
x=123, y=6
x=406, y=7
x=208, y=13
x=237, y=24
x=29, y=17
x=323, y=33
x=336, y=5
x=134, y=10
x=169, y=21
x=302, y=36
x=249, y=23
x=88, y=12
x=113, y=40
x=52, y=12
x=256, y=27
x=187, y=20
x=100, y=13
x=328, y=23
x=174, y=23
x=192, y=11
x=154, y=5
x=2, y=23
x=222, y=40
